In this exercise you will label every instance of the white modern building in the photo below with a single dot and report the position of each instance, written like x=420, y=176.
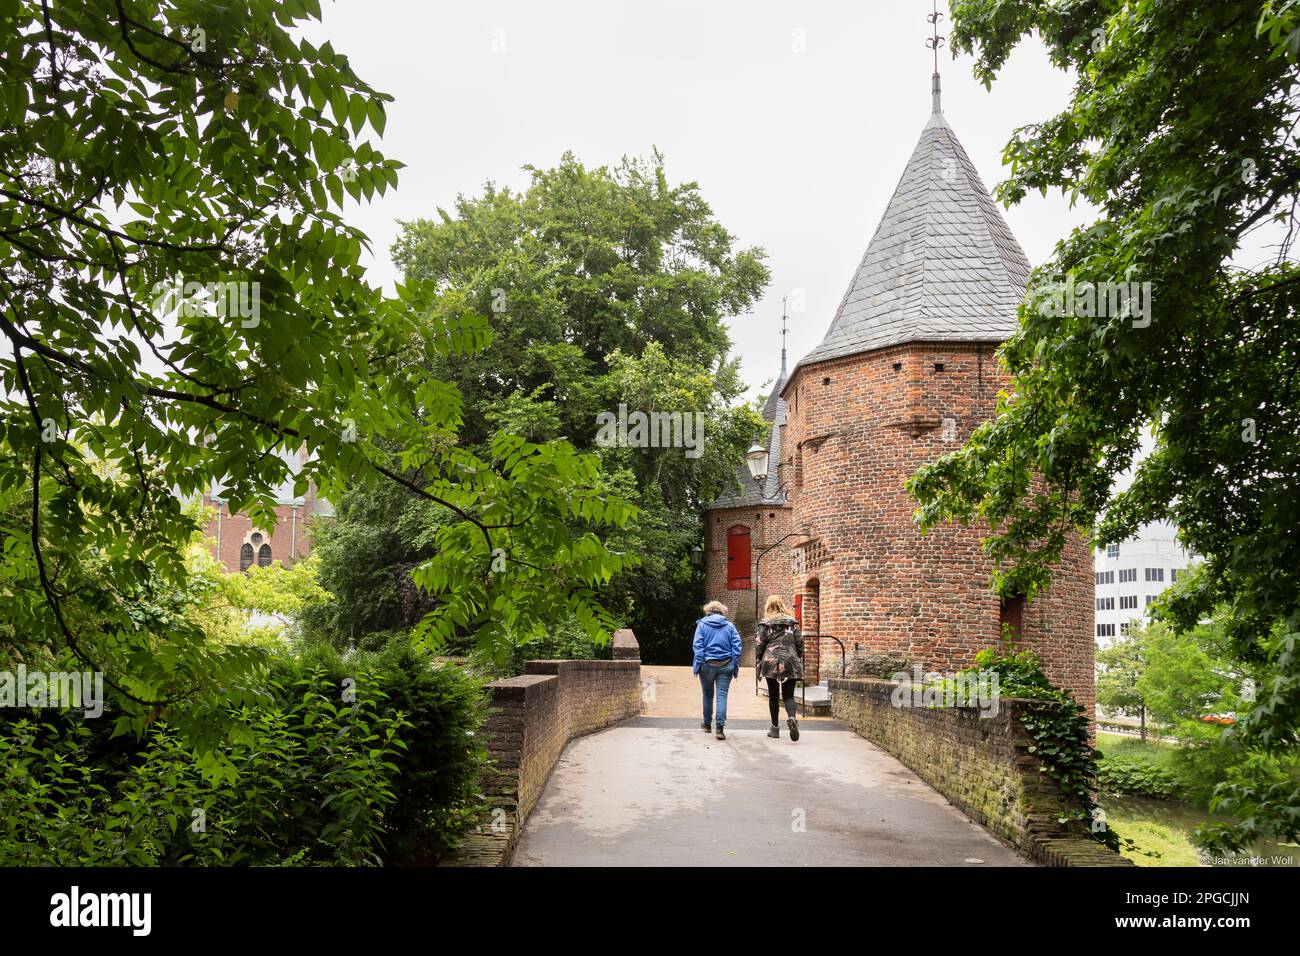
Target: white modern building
x=1131, y=575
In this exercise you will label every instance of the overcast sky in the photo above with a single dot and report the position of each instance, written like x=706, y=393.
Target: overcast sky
x=795, y=118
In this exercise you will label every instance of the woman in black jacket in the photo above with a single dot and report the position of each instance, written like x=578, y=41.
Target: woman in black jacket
x=780, y=660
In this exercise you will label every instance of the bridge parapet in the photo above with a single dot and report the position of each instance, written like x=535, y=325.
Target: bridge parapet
x=626, y=646
x=980, y=763
x=531, y=719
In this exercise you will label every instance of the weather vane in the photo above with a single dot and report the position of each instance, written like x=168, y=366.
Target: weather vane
x=935, y=41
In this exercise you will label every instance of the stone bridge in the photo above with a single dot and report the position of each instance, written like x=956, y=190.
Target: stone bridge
x=604, y=763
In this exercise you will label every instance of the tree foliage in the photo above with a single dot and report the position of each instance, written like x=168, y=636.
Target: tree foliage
x=1184, y=675
x=1181, y=131
x=1120, y=665
x=145, y=143
x=602, y=287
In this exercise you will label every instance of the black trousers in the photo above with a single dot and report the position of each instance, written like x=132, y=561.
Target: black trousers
x=775, y=696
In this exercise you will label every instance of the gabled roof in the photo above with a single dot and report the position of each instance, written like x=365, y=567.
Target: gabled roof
x=942, y=266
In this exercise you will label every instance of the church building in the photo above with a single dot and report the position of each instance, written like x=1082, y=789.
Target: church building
x=906, y=371
x=237, y=545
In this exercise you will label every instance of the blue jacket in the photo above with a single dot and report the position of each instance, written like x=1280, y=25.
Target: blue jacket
x=716, y=639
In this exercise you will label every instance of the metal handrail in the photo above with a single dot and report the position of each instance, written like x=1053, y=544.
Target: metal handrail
x=844, y=656
x=803, y=683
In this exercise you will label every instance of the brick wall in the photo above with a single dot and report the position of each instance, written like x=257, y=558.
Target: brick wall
x=226, y=533
x=981, y=764
x=626, y=647
x=767, y=524
x=857, y=429
x=531, y=719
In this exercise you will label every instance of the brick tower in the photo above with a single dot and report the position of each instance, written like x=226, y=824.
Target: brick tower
x=904, y=374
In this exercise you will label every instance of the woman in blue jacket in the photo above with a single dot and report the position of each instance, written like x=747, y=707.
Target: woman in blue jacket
x=717, y=661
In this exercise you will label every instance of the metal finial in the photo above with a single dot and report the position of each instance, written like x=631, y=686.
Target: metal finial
x=783, y=318
x=934, y=43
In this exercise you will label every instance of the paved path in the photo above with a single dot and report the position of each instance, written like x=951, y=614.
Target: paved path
x=658, y=791
x=673, y=692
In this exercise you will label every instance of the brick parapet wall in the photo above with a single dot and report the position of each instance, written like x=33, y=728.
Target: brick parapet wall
x=626, y=647
x=531, y=719
x=981, y=764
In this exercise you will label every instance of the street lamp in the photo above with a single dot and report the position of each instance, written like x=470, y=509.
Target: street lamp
x=697, y=556
x=756, y=459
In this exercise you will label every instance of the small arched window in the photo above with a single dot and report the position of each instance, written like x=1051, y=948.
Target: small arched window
x=245, y=557
x=264, y=556
x=738, y=555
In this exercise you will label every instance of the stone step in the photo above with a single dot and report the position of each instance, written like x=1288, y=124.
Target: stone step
x=811, y=701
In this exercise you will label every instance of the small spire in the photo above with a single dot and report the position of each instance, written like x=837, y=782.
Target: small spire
x=783, y=318
x=934, y=43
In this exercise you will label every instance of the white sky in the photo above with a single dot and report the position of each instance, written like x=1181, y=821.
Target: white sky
x=797, y=152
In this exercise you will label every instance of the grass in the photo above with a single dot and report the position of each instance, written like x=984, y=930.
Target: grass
x=1156, y=752
x=1160, y=835
x=1160, y=838
x=1161, y=829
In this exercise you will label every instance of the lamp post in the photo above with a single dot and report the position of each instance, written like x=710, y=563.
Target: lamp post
x=756, y=460
x=801, y=531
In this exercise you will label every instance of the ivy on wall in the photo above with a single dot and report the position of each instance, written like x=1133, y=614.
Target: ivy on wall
x=1058, y=727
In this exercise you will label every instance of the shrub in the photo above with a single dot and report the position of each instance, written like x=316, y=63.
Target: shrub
x=351, y=761
x=566, y=640
x=1132, y=775
x=306, y=779
x=438, y=771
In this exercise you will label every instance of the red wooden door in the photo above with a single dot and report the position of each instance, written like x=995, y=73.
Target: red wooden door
x=738, y=558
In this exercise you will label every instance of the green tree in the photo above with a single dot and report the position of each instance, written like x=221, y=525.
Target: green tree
x=1121, y=663
x=366, y=553
x=1180, y=132
x=603, y=287
x=146, y=143
x=1187, y=675
x=583, y=264
x=1194, y=672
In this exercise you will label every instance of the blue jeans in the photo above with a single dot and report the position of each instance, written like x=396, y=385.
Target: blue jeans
x=714, y=676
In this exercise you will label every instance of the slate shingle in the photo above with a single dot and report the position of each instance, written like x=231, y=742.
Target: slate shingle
x=746, y=495
x=942, y=266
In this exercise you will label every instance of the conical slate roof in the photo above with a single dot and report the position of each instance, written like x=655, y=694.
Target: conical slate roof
x=942, y=266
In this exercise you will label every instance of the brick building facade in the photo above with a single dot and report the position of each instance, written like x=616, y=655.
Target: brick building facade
x=748, y=536
x=906, y=372
x=237, y=545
